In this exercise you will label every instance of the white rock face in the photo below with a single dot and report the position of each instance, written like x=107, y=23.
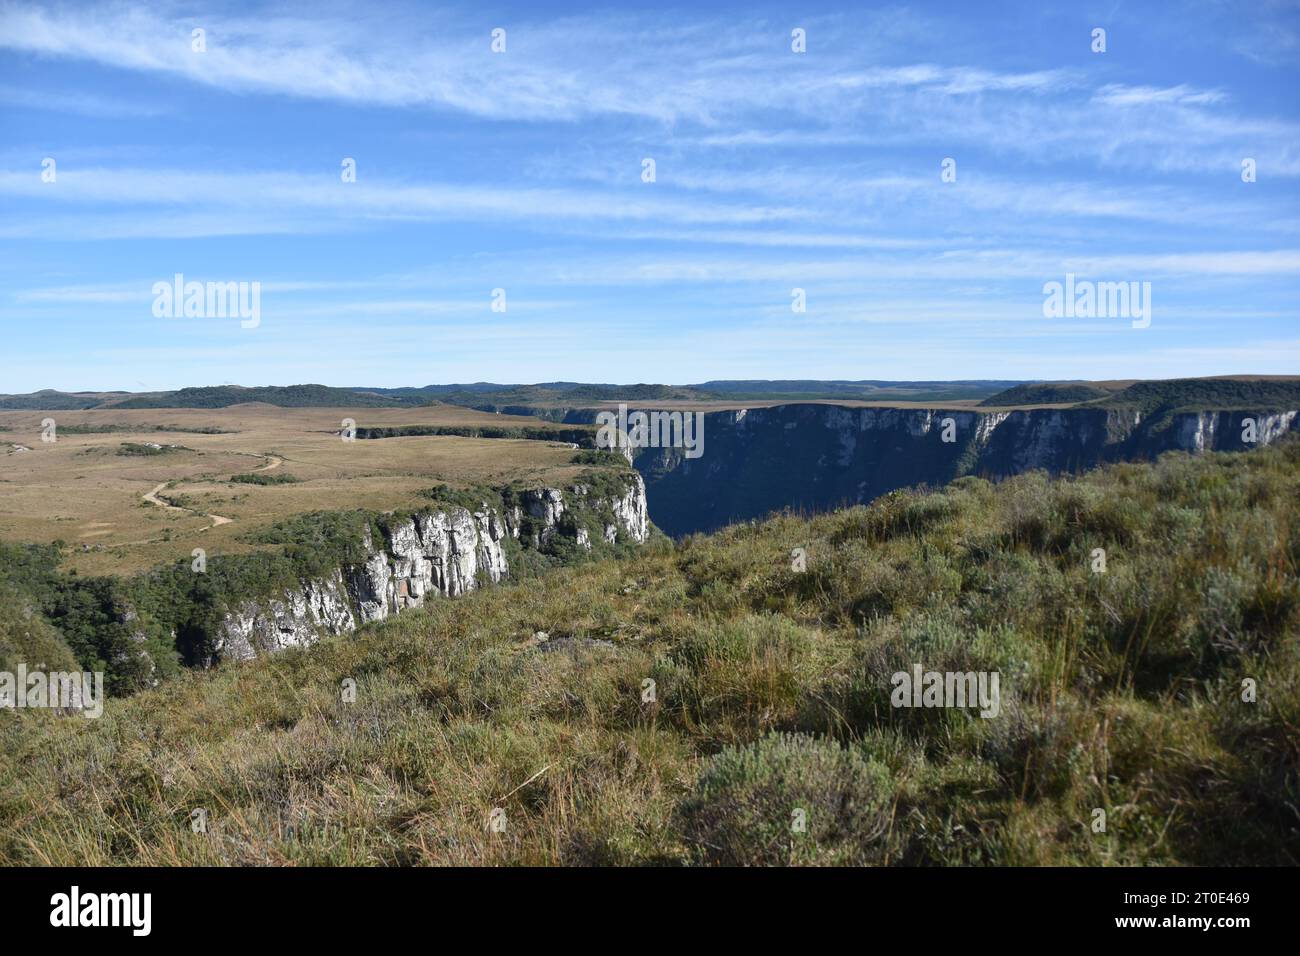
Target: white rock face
x=1196, y=432
x=368, y=584
x=1273, y=427
x=491, y=556
x=1207, y=431
x=545, y=505
x=435, y=554
x=296, y=619
x=986, y=425
x=631, y=515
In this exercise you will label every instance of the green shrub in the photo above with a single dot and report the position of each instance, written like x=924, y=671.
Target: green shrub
x=261, y=478
x=790, y=799
x=141, y=449
x=26, y=638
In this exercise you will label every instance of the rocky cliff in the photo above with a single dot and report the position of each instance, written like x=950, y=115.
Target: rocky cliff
x=820, y=456
x=439, y=552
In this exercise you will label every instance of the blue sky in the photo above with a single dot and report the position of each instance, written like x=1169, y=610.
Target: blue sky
x=522, y=170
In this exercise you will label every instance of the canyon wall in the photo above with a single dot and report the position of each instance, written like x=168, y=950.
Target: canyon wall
x=438, y=553
x=816, y=457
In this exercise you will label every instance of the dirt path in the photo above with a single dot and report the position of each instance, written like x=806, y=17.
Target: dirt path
x=153, y=499
x=151, y=496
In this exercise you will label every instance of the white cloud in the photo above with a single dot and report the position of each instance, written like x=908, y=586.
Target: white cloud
x=1117, y=94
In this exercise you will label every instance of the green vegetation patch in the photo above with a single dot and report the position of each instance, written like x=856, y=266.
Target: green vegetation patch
x=146, y=449
x=265, y=478
x=110, y=428
x=581, y=436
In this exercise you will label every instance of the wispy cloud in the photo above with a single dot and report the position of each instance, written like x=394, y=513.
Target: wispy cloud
x=1117, y=94
x=524, y=169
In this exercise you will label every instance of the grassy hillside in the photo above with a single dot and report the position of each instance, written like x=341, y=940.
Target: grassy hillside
x=1120, y=692
x=26, y=637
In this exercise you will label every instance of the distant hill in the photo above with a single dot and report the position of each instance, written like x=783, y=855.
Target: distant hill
x=50, y=400
x=483, y=395
x=869, y=390
x=1226, y=394
x=216, y=396
x=568, y=394
x=426, y=392
x=1229, y=393
x=285, y=396
x=1047, y=393
x=477, y=395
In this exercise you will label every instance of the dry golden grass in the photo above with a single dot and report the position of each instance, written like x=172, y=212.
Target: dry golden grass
x=80, y=490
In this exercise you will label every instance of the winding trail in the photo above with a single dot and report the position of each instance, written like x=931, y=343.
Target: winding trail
x=272, y=462
x=153, y=499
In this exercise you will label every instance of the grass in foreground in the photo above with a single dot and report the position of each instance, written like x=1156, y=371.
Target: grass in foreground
x=1121, y=692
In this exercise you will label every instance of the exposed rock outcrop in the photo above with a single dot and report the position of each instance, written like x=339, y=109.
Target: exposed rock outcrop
x=443, y=552
x=294, y=619
x=631, y=516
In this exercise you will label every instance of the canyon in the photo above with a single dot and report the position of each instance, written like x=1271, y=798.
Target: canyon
x=815, y=457
x=442, y=500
